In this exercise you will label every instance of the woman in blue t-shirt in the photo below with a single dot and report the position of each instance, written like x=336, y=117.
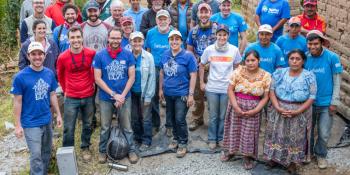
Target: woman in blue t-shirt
x=176, y=85
x=292, y=93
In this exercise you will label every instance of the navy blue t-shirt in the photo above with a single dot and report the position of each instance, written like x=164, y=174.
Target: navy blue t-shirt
x=114, y=71
x=35, y=88
x=177, y=71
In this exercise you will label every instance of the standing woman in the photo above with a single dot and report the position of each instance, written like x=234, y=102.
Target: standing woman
x=176, y=85
x=142, y=91
x=248, y=93
x=293, y=91
x=222, y=58
x=50, y=47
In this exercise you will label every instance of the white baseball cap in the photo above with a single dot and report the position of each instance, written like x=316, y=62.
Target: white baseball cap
x=175, y=32
x=35, y=46
x=163, y=13
x=136, y=34
x=265, y=28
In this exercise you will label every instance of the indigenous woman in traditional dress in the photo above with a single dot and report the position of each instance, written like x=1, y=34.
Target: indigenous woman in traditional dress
x=292, y=93
x=248, y=93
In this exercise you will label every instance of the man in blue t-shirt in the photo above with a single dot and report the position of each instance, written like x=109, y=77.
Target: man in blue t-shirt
x=114, y=70
x=275, y=13
x=34, y=91
x=70, y=14
x=271, y=56
x=293, y=39
x=234, y=22
x=199, y=38
x=326, y=65
x=157, y=43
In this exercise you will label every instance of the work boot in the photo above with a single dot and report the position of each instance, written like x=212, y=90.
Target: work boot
x=322, y=163
x=86, y=154
x=133, y=158
x=195, y=124
x=169, y=132
x=102, y=158
x=181, y=152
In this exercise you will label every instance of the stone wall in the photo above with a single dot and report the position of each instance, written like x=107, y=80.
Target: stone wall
x=337, y=16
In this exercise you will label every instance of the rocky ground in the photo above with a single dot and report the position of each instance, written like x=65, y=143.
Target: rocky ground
x=14, y=158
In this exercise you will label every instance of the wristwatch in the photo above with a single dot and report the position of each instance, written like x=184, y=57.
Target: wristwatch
x=113, y=94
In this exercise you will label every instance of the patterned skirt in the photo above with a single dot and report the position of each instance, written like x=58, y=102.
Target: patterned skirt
x=241, y=134
x=286, y=139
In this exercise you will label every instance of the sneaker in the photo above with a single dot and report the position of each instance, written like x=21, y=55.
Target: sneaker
x=169, y=132
x=173, y=145
x=181, y=152
x=322, y=163
x=133, y=158
x=212, y=145
x=195, y=125
x=86, y=154
x=102, y=158
x=144, y=147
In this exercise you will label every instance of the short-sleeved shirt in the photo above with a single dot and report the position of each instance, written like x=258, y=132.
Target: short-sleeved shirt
x=270, y=57
x=324, y=66
x=234, y=22
x=200, y=40
x=294, y=89
x=114, y=71
x=176, y=80
x=35, y=88
x=287, y=44
x=214, y=5
x=318, y=23
x=221, y=65
x=136, y=87
x=95, y=37
x=243, y=83
x=157, y=43
x=271, y=12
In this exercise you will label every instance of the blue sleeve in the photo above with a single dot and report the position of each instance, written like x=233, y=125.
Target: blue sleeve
x=16, y=88
x=24, y=32
x=97, y=62
x=54, y=84
x=285, y=10
x=242, y=25
x=280, y=61
x=192, y=64
x=132, y=61
x=189, y=38
x=336, y=66
x=258, y=9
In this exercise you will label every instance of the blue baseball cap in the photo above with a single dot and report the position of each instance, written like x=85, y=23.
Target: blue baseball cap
x=222, y=27
x=92, y=4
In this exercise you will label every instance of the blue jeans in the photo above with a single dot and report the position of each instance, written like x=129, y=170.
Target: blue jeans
x=39, y=141
x=124, y=120
x=141, y=120
x=217, y=105
x=176, y=111
x=71, y=108
x=323, y=120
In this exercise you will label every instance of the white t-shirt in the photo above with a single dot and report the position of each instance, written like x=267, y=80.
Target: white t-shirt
x=221, y=65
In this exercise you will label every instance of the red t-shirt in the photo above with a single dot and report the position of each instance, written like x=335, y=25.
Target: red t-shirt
x=75, y=73
x=317, y=23
x=55, y=13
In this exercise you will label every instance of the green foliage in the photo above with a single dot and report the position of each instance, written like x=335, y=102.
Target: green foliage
x=10, y=19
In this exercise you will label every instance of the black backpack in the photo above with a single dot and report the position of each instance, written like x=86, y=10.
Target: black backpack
x=117, y=145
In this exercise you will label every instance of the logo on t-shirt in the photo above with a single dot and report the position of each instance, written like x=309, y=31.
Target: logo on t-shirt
x=202, y=43
x=41, y=88
x=264, y=8
x=220, y=59
x=170, y=68
x=115, y=70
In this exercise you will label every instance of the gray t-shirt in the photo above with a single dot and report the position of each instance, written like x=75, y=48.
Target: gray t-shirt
x=95, y=37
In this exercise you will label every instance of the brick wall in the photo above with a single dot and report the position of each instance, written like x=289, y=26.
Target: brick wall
x=337, y=16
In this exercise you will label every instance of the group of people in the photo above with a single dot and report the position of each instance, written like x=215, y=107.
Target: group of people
x=106, y=61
